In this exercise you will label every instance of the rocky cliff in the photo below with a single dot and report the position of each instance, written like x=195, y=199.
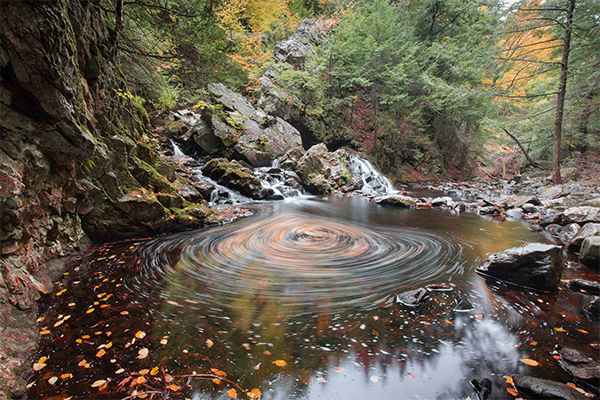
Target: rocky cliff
x=76, y=160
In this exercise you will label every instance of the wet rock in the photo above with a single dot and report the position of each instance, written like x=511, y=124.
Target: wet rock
x=322, y=171
x=592, y=309
x=582, y=284
x=581, y=215
x=234, y=176
x=537, y=388
x=412, y=298
x=528, y=208
x=551, y=217
x=568, y=233
x=441, y=201
x=587, y=230
x=205, y=189
x=438, y=288
x=554, y=192
x=514, y=213
x=463, y=305
x=533, y=265
x=583, y=369
x=589, y=254
x=483, y=387
x=397, y=200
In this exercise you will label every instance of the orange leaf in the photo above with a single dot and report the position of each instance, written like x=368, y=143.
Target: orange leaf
x=100, y=353
x=154, y=371
x=66, y=376
x=449, y=322
x=140, y=334
x=232, y=393
x=280, y=363
x=582, y=331
x=254, y=394
x=173, y=387
x=411, y=375
x=560, y=330
x=218, y=373
x=143, y=371
x=512, y=391
x=217, y=381
x=209, y=343
x=509, y=380
x=140, y=380
x=45, y=332
x=530, y=362
x=257, y=366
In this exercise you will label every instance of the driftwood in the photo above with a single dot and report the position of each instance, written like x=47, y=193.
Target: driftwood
x=529, y=159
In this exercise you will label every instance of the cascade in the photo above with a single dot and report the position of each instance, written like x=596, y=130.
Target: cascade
x=176, y=149
x=373, y=181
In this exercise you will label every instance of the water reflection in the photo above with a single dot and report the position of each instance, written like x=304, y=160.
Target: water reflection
x=296, y=301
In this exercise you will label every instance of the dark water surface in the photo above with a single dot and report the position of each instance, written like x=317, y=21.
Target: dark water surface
x=297, y=301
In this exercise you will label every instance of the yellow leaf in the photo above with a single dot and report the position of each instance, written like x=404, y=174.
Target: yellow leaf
x=217, y=381
x=79, y=340
x=85, y=337
x=100, y=353
x=560, y=330
x=43, y=359
x=143, y=353
x=45, y=332
x=91, y=310
x=61, y=292
x=529, y=362
x=280, y=363
x=98, y=383
x=232, y=393
x=154, y=371
x=108, y=345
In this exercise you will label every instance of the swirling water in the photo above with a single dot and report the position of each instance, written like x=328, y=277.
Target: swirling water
x=297, y=301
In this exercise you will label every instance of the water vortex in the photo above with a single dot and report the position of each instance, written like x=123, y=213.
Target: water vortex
x=300, y=261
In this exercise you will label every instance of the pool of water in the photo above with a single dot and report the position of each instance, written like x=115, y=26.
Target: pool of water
x=298, y=302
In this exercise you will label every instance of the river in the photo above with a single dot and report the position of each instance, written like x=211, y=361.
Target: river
x=298, y=301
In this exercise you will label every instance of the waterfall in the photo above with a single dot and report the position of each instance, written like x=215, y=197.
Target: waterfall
x=373, y=181
x=176, y=149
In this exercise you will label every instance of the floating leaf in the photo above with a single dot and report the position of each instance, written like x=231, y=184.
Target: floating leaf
x=89, y=311
x=108, y=345
x=45, y=332
x=98, y=383
x=411, y=375
x=582, y=331
x=100, y=353
x=280, y=363
x=232, y=393
x=61, y=292
x=509, y=380
x=40, y=319
x=164, y=341
x=119, y=371
x=143, y=371
x=512, y=391
x=529, y=362
x=321, y=379
x=557, y=357
x=267, y=353
x=246, y=346
x=209, y=343
x=560, y=330
x=217, y=381
x=154, y=371
x=374, y=378
x=53, y=380
x=449, y=322
x=43, y=359
x=254, y=394
x=257, y=366
x=173, y=387
x=140, y=379
x=140, y=334
x=124, y=313
x=38, y=366
x=66, y=376
x=479, y=316
x=143, y=353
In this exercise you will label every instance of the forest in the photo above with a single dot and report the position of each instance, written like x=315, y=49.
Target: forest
x=424, y=89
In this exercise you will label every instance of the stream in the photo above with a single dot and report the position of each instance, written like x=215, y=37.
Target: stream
x=297, y=301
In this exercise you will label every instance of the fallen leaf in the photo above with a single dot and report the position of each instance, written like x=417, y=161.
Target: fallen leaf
x=108, y=345
x=267, y=353
x=66, y=376
x=143, y=371
x=89, y=311
x=61, y=292
x=339, y=369
x=232, y=393
x=40, y=319
x=512, y=391
x=322, y=379
x=140, y=335
x=98, y=383
x=254, y=394
x=164, y=341
x=479, y=316
x=374, y=378
x=124, y=313
x=257, y=366
x=169, y=378
x=376, y=318
x=140, y=379
x=411, y=375
x=529, y=362
x=173, y=387
x=218, y=372
x=560, y=330
x=209, y=343
x=557, y=357
x=154, y=371
x=246, y=346
x=100, y=353
x=449, y=322
x=533, y=343
x=44, y=332
x=509, y=380
x=582, y=331
x=217, y=381
x=280, y=363
x=104, y=306
x=119, y=371
x=53, y=380
x=38, y=366
x=143, y=353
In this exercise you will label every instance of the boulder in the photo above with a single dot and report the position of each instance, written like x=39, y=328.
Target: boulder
x=537, y=388
x=592, y=309
x=581, y=215
x=568, y=233
x=297, y=50
x=397, y=200
x=412, y=298
x=553, y=193
x=589, y=254
x=588, y=230
x=483, y=387
x=234, y=176
x=583, y=369
x=589, y=287
x=534, y=265
x=463, y=305
x=551, y=217
x=441, y=201
x=322, y=171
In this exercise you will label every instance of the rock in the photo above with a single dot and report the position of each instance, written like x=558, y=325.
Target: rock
x=397, y=200
x=589, y=254
x=463, y=305
x=205, y=189
x=204, y=138
x=592, y=309
x=583, y=369
x=412, y=298
x=232, y=101
x=581, y=215
x=483, y=387
x=545, y=389
x=568, y=233
x=441, y=201
x=514, y=213
x=588, y=230
x=438, y=288
x=234, y=176
x=551, y=217
x=554, y=193
x=534, y=265
x=528, y=208
x=589, y=287
x=322, y=171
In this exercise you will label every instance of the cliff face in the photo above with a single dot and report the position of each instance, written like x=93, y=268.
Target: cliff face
x=75, y=159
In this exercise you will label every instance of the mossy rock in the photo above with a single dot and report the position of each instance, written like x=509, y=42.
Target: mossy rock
x=169, y=200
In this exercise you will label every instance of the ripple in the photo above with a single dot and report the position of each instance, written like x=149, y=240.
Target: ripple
x=296, y=260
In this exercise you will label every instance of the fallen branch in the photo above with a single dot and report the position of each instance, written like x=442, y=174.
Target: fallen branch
x=529, y=159
x=211, y=376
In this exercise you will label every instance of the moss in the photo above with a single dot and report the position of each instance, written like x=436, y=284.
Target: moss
x=345, y=177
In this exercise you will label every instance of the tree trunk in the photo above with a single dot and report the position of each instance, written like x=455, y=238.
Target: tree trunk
x=529, y=159
x=560, y=98
x=118, y=18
